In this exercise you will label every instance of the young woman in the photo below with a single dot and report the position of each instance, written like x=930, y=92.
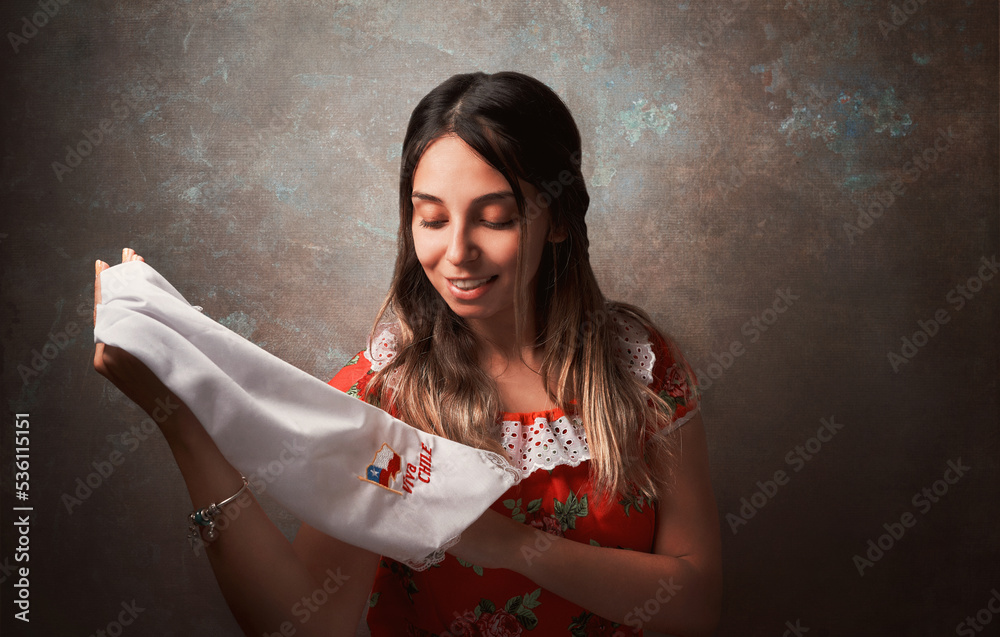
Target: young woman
x=495, y=334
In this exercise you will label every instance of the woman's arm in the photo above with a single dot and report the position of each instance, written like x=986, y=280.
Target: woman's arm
x=317, y=587
x=676, y=589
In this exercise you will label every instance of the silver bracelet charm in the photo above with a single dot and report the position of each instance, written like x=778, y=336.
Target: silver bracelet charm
x=206, y=517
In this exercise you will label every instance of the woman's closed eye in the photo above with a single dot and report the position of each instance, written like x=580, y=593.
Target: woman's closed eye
x=489, y=223
x=432, y=223
x=498, y=225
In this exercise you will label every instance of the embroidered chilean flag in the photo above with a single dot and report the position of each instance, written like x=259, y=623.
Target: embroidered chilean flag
x=385, y=467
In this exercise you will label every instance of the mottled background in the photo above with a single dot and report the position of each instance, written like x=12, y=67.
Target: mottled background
x=250, y=152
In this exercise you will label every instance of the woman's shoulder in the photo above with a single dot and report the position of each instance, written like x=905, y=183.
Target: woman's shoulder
x=654, y=359
x=635, y=342
x=382, y=346
x=353, y=377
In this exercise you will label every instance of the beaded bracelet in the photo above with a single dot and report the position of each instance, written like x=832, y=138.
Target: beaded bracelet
x=206, y=516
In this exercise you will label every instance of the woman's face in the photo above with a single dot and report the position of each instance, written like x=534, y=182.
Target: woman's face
x=465, y=231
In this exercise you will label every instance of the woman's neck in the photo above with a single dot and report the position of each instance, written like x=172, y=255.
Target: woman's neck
x=499, y=343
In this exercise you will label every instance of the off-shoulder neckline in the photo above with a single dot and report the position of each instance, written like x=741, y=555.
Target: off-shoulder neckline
x=549, y=415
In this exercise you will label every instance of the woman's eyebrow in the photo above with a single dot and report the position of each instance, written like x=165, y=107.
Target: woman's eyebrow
x=481, y=199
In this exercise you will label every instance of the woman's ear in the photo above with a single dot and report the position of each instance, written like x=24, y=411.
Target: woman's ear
x=557, y=234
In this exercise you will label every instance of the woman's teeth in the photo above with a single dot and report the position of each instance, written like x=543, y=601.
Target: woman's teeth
x=469, y=284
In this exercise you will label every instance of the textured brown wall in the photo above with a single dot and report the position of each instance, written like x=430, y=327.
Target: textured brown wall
x=249, y=150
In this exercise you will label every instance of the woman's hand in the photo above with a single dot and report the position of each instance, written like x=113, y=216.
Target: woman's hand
x=263, y=578
x=128, y=373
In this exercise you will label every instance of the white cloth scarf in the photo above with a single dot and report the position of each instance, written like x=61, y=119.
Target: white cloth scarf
x=343, y=466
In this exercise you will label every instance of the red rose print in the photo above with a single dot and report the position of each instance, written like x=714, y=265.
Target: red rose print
x=549, y=525
x=462, y=627
x=499, y=624
x=676, y=382
x=597, y=625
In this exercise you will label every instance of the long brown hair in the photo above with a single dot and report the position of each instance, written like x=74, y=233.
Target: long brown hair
x=434, y=382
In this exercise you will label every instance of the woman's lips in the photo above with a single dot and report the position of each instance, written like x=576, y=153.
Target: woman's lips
x=470, y=289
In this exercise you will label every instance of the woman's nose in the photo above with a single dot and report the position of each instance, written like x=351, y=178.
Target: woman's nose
x=461, y=246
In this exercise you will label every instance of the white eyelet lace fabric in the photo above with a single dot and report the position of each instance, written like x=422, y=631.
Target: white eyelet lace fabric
x=635, y=348
x=382, y=350
x=545, y=444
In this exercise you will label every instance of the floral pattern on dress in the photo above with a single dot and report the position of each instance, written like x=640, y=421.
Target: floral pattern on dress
x=515, y=508
x=477, y=569
x=403, y=573
x=568, y=512
x=633, y=502
x=516, y=616
x=591, y=625
x=565, y=513
x=549, y=525
x=460, y=598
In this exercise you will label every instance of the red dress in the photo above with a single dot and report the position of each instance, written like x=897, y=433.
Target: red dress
x=555, y=496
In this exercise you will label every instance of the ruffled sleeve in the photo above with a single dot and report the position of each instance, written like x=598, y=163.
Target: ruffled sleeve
x=674, y=380
x=657, y=362
x=353, y=378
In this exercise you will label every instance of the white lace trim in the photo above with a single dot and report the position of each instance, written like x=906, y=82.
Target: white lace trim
x=634, y=347
x=677, y=423
x=433, y=558
x=510, y=475
x=545, y=444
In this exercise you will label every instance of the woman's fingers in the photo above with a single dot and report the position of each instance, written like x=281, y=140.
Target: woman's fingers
x=99, y=366
x=124, y=370
x=130, y=375
x=128, y=254
x=99, y=266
